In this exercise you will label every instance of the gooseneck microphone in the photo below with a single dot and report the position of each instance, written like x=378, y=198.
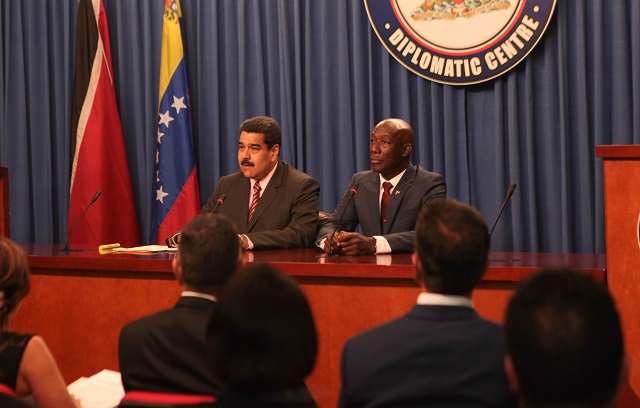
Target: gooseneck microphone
x=172, y=241
x=219, y=203
x=512, y=188
x=352, y=192
x=93, y=200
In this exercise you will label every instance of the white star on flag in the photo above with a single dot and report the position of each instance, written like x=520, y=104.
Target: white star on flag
x=161, y=195
x=165, y=118
x=178, y=103
x=160, y=137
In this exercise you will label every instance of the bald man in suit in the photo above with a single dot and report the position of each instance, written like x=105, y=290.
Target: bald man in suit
x=410, y=188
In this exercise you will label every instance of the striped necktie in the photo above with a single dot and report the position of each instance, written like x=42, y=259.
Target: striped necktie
x=255, y=199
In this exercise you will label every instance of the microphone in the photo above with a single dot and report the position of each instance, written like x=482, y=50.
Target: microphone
x=219, y=203
x=352, y=192
x=512, y=188
x=172, y=241
x=93, y=200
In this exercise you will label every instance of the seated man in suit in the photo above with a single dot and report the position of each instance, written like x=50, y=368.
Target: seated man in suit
x=388, y=199
x=441, y=353
x=564, y=342
x=272, y=204
x=164, y=352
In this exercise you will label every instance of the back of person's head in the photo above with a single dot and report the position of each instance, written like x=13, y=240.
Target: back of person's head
x=564, y=341
x=14, y=278
x=261, y=335
x=266, y=125
x=209, y=251
x=452, y=246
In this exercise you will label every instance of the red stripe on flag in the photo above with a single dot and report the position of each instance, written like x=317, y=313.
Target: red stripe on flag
x=101, y=161
x=187, y=204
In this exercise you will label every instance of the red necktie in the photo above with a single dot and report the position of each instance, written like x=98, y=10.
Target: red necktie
x=384, y=202
x=255, y=199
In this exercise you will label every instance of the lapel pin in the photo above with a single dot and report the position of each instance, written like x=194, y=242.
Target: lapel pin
x=397, y=192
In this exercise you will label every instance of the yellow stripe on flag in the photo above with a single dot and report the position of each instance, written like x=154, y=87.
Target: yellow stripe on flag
x=172, y=51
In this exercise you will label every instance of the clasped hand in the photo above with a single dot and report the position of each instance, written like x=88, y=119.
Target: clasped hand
x=350, y=243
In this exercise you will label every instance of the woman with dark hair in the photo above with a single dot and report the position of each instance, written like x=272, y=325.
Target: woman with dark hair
x=26, y=364
x=263, y=341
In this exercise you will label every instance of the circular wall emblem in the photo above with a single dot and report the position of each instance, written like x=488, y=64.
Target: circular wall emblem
x=459, y=42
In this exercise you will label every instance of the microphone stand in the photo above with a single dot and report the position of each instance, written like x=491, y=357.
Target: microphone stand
x=352, y=192
x=93, y=200
x=174, y=240
x=512, y=188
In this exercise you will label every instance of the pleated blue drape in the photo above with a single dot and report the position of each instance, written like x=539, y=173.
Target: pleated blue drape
x=317, y=67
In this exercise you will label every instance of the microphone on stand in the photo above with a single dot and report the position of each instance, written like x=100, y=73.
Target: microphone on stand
x=219, y=203
x=512, y=188
x=93, y=200
x=174, y=240
x=352, y=192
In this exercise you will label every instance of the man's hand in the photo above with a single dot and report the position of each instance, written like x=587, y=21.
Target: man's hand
x=333, y=247
x=244, y=243
x=352, y=243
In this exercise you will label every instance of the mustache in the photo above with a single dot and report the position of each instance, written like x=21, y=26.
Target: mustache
x=246, y=162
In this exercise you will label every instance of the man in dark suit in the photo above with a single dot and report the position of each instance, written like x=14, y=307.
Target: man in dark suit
x=166, y=351
x=441, y=353
x=286, y=211
x=564, y=342
x=393, y=183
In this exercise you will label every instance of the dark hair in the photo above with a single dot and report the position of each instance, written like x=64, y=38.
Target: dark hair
x=452, y=243
x=209, y=251
x=261, y=335
x=564, y=337
x=269, y=127
x=14, y=277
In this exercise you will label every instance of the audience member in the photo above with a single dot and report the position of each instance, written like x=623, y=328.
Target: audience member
x=564, y=342
x=441, y=353
x=165, y=352
x=26, y=364
x=388, y=198
x=263, y=341
x=272, y=204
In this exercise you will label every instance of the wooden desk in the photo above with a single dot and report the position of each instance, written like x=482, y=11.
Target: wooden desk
x=80, y=300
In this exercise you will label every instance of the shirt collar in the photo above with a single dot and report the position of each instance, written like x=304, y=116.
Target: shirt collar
x=437, y=299
x=394, y=181
x=265, y=180
x=189, y=293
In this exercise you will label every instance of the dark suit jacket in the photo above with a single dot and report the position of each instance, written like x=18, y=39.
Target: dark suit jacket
x=166, y=351
x=286, y=215
x=434, y=356
x=416, y=188
x=8, y=401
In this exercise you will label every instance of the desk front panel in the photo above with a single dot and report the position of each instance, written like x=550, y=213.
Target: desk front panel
x=79, y=301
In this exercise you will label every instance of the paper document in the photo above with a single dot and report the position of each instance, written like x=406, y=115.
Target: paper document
x=146, y=249
x=101, y=390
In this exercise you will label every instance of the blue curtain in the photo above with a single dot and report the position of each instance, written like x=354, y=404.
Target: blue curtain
x=317, y=67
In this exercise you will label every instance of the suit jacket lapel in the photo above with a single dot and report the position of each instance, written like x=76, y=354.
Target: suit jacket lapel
x=397, y=194
x=269, y=194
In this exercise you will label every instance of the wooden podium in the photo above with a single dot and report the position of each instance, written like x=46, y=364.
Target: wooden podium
x=4, y=202
x=621, y=165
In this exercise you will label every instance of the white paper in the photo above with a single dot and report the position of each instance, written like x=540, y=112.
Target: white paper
x=146, y=248
x=101, y=390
